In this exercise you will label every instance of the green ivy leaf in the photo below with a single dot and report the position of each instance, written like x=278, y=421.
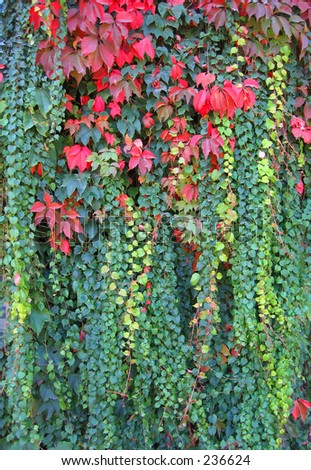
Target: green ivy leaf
x=28, y=121
x=43, y=101
x=195, y=278
x=37, y=318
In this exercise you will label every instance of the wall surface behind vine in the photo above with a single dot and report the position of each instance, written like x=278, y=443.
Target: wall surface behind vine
x=155, y=224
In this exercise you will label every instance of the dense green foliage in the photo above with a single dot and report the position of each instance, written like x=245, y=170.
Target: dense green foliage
x=156, y=225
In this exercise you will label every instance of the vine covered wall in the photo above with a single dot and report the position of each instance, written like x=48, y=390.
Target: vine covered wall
x=155, y=224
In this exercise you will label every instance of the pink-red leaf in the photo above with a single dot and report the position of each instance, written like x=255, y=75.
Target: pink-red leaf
x=38, y=207
x=144, y=47
x=89, y=44
x=77, y=157
x=251, y=82
x=190, y=192
x=134, y=161
x=300, y=409
x=300, y=187
x=65, y=246
x=201, y=102
x=205, y=79
x=98, y=105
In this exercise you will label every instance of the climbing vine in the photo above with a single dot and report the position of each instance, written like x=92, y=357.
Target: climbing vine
x=155, y=218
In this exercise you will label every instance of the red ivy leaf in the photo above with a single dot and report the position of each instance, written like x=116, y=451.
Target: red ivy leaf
x=98, y=105
x=177, y=93
x=76, y=157
x=92, y=9
x=49, y=204
x=75, y=20
x=299, y=101
x=50, y=218
x=38, y=207
x=190, y=192
x=73, y=63
x=66, y=229
x=54, y=25
x=35, y=18
x=177, y=69
x=89, y=44
x=172, y=3
x=115, y=109
x=300, y=187
x=65, y=246
x=205, y=79
x=303, y=44
x=38, y=168
x=212, y=143
x=299, y=129
x=134, y=161
x=164, y=109
x=144, y=47
x=55, y=8
x=251, y=82
x=148, y=120
x=219, y=102
x=202, y=102
x=142, y=159
x=300, y=409
x=46, y=56
x=122, y=198
x=234, y=352
x=220, y=19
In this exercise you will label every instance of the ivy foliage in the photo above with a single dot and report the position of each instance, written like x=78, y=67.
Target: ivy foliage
x=156, y=224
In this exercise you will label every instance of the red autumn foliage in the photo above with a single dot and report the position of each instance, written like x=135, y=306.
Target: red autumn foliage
x=212, y=142
x=98, y=105
x=148, y=120
x=226, y=99
x=37, y=169
x=190, y=192
x=46, y=56
x=300, y=187
x=1, y=74
x=77, y=157
x=300, y=129
x=202, y=102
x=103, y=39
x=35, y=18
x=205, y=79
x=64, y=245
x=122, y=198
x=61, y=218
x=177, y=69
x=144, y=47
x=139, y=157
x=38, y=16
x=300, y=409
